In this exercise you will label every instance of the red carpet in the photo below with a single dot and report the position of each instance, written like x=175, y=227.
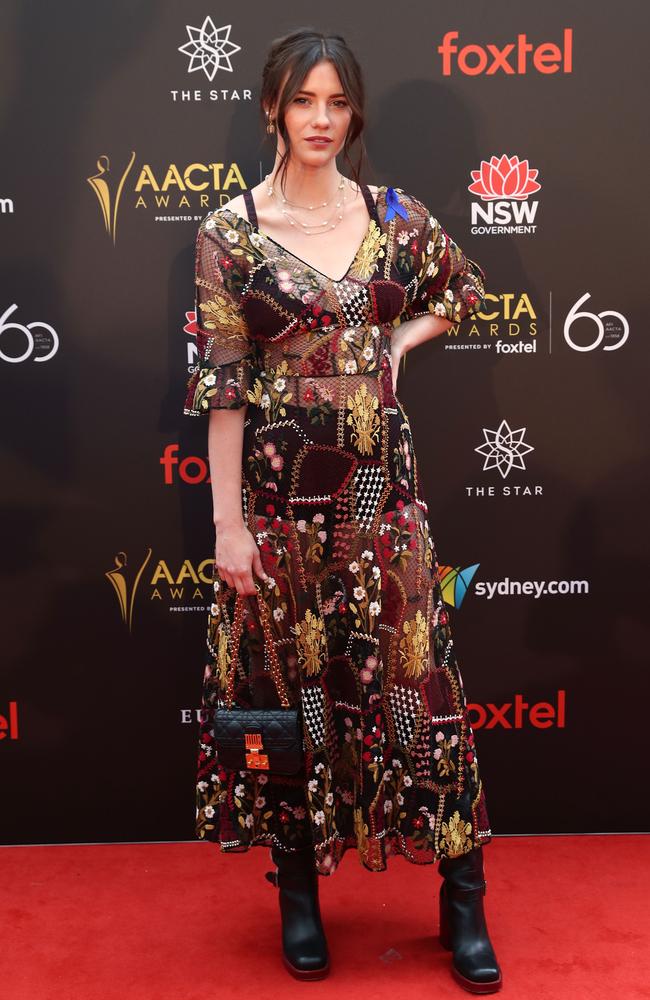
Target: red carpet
x=568, y=916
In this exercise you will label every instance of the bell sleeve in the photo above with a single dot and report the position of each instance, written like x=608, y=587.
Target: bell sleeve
x=446, y=282
x=226, y=354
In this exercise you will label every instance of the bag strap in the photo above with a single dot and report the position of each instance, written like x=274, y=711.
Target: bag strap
x=269, y=648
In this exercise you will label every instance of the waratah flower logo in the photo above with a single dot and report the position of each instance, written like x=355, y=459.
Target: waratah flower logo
x=504, y=177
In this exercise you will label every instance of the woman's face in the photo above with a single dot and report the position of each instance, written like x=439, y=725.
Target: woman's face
x=319, y=108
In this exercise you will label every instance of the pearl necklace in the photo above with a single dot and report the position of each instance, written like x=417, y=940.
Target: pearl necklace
x=309, y=226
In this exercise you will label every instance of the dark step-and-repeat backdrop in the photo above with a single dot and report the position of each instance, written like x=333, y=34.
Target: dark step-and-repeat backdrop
x=522, y=129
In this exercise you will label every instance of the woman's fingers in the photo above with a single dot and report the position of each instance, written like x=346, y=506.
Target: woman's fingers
x=245, y=585
x=257, y=566
x=238, y=558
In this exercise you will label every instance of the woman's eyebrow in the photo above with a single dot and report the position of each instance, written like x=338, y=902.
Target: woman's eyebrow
x=310, y=93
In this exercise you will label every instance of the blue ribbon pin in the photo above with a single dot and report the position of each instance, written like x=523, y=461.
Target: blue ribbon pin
x=395, y=206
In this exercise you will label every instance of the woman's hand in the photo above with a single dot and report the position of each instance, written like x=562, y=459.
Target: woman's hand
x=237, y=557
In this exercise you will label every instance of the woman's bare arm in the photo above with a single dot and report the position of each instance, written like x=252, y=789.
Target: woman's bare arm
x=236, y=553
x=412, y=333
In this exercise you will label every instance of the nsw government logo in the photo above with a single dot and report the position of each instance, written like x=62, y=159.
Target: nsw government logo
x=504, y=184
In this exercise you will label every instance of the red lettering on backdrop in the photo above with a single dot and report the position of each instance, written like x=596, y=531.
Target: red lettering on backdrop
x=473, y=59
x=11, y=725
x=517, y=714
x=193, y=469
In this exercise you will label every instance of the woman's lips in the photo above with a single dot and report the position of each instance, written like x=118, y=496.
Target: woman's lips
x=319, y=142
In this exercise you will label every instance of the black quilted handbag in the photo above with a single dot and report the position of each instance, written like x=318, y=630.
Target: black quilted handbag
x=259, y=739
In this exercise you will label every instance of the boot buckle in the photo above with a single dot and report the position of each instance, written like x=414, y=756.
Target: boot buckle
x=256, y=759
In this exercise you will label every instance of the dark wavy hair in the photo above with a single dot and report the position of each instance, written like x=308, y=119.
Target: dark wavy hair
x=297, y=53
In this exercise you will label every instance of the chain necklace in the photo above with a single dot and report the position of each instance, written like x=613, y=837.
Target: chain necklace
x=311, y=228
x=308, y=208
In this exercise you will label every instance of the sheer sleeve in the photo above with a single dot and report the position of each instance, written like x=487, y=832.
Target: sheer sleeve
x=447, y=283
x=226, y=353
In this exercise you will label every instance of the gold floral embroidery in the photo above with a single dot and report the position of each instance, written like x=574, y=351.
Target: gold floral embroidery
x=370, y=251
x=357, y=350
x=272, y=394
x=223, y=657
x=361, y=832
x=363, y=418
x=312, y=646
x=455, y=835
x=414, y=647
x=222, y=314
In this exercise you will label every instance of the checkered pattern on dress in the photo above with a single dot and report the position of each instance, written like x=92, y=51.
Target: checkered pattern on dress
x=354, y=301
x=368, y=485
x=405, y=705
x=313, y=710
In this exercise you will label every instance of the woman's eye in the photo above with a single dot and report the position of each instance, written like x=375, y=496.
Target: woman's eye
x=339, y=103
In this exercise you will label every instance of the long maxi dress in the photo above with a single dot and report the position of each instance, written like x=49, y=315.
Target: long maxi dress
x=352, y=620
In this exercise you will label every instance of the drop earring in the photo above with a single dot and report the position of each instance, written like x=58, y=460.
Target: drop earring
x=270, y=125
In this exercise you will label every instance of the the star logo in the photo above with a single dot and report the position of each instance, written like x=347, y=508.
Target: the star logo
x=504, y=449
x=209, y=48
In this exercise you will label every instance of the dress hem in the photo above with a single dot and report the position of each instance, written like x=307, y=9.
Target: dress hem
x=392, y=839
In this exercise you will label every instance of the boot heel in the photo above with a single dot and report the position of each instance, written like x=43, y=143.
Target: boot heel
x=463, y=928
x=445, y=931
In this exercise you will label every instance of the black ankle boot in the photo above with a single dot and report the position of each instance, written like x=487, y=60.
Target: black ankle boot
x=462, y=923
x=304, y=946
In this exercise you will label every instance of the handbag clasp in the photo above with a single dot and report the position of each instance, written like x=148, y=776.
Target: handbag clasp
x=255, y=757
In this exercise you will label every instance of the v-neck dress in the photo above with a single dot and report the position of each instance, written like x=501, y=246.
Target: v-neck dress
x=351, y=624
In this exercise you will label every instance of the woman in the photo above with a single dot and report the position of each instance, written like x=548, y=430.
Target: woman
x=327, y=572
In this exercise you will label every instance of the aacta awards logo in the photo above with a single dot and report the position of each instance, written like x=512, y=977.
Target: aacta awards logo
x=124, y=588
x=176, y=587
x=511, y=59
x=504, y=183
x=510, y=321
x=108, y=189
x=172, y=188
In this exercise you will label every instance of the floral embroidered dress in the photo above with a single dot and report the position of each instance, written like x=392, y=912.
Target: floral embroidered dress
x=352, y=622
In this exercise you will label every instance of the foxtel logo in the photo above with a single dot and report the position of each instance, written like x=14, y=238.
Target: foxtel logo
x=519, y=713
x=473, y=60
x=9, y=727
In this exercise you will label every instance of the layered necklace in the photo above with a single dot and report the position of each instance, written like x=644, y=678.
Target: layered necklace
x=311, y=228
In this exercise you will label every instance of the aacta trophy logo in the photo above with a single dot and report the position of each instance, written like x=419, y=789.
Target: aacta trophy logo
x=108, y=195
x=121, y=585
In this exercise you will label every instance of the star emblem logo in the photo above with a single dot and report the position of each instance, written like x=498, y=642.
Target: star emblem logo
x=209, y=48
x=504, y=449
